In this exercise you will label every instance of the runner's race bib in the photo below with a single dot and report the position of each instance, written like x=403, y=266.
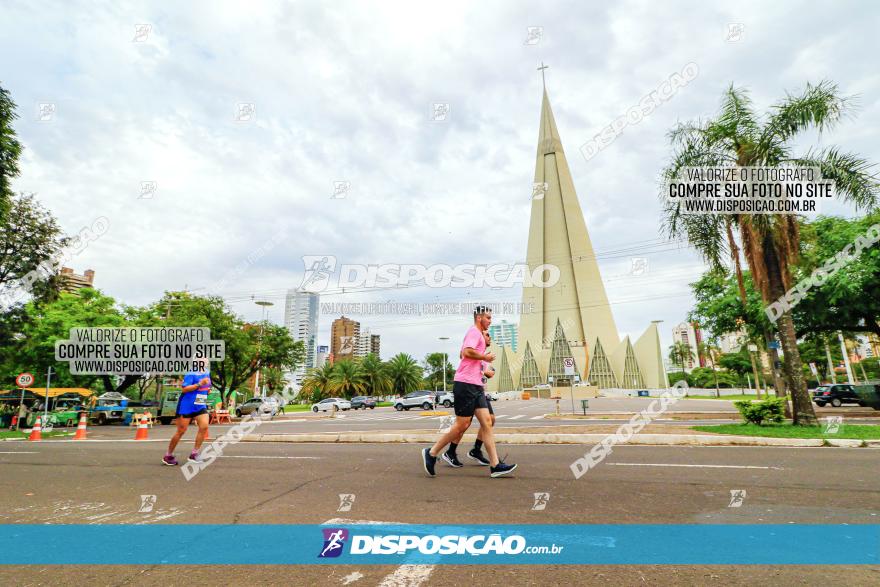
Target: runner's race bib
x=201, y=399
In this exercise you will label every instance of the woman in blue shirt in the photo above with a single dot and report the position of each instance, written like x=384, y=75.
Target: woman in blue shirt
x=193, y=404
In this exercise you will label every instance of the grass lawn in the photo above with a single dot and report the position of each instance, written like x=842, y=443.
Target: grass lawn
x=298, y=408
x=44, y=434
x=735, y=397
x=859, y=431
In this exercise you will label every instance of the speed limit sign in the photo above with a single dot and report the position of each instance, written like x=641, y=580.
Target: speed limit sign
x=24, y=380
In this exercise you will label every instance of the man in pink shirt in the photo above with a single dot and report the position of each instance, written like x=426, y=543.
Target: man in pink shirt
x=470, y=397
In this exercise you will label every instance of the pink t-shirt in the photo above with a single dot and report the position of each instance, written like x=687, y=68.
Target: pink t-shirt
x=470, y=370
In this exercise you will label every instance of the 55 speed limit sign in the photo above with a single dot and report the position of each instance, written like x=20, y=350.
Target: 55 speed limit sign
x=24, y=380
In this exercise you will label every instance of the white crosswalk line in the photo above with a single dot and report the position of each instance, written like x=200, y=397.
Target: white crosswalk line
x=518, y=416
x=499, y=416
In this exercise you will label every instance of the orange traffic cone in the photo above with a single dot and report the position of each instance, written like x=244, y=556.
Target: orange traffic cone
x=81, y=428
x=141, y=433
x=35, y=431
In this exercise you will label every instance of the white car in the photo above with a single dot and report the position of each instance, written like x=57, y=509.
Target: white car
x=445, y=399
x=492, y=395
x=331, y=403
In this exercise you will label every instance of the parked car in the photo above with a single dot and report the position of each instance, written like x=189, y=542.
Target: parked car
x=415, y=399
x=836, y=395
x=331, y=404
x=492, y=395
x=265, y=405
x=109, y=408
x=446, y=399
x=363, y=402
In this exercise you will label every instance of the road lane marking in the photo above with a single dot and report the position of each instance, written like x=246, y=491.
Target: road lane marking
x=19, y=452
x=404, y=575
x=536, y=418
x=695, y=466
x=265, y=457
x=408, y=576
x=517, y=416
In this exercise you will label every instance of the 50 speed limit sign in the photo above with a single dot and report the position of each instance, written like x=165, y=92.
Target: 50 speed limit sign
x=24, y=380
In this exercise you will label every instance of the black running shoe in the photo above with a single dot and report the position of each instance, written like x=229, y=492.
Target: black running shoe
x=477, y=455
x=501, y=469
x=428, y=461
x=452, y=460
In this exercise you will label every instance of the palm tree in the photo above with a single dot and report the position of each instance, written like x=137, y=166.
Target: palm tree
x=375, y=375
x=681, y=352
x=274, y=379
x=347, y=379
x=317, y=383
x=405, y=373
x=710, y=351
x=770, y=243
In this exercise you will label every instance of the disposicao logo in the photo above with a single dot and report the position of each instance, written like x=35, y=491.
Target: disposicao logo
x=334, y=540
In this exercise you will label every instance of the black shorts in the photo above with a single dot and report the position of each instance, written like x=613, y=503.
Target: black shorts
x=468, y=397
x=198, y=412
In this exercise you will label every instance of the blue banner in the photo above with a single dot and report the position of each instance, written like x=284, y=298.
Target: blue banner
x=382, y=544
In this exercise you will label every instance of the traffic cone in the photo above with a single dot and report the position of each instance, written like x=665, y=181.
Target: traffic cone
x=141, y=433
x=35, y=431
x=81, y=428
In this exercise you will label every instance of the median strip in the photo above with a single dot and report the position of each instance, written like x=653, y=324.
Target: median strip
x=428, y=436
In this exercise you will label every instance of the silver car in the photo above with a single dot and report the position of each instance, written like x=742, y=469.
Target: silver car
x=262, y=405
x=416, y=399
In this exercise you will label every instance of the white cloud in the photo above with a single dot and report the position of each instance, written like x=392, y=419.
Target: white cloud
x=343, y=91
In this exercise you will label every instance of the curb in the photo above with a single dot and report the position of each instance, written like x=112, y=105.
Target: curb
x=641, y=439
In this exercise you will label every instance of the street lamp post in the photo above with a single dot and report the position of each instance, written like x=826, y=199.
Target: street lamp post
x=264, y=304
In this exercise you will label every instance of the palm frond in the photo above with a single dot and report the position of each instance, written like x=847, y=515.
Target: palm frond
x=736, y=124
x=820, y=106
x=853, y=176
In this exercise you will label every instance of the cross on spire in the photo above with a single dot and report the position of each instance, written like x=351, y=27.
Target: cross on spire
x=541, y=69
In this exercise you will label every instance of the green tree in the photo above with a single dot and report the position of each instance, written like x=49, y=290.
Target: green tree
x=34, y=348
x=375, y=375
x=248, y=347
x=840, y=303
x=405, y=373
x=317, y=383
x=347, y=380
x=274, y=379
x=727, y=303
x=738, y=362
x=710, y=351
x=29, y=238
x=770, y=242
x=681, y=353
x=10, y=151
x=719, y=309
x=434, y=370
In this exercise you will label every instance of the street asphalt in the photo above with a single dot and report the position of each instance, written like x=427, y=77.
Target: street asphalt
x=277, y=483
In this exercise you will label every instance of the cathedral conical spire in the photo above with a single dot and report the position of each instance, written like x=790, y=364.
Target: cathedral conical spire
x=548, y=135
x=558, y=238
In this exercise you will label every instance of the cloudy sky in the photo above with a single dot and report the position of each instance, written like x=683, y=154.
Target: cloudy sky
x=344, y=91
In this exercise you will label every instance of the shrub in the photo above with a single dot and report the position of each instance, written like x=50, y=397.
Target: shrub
x=769, y=410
